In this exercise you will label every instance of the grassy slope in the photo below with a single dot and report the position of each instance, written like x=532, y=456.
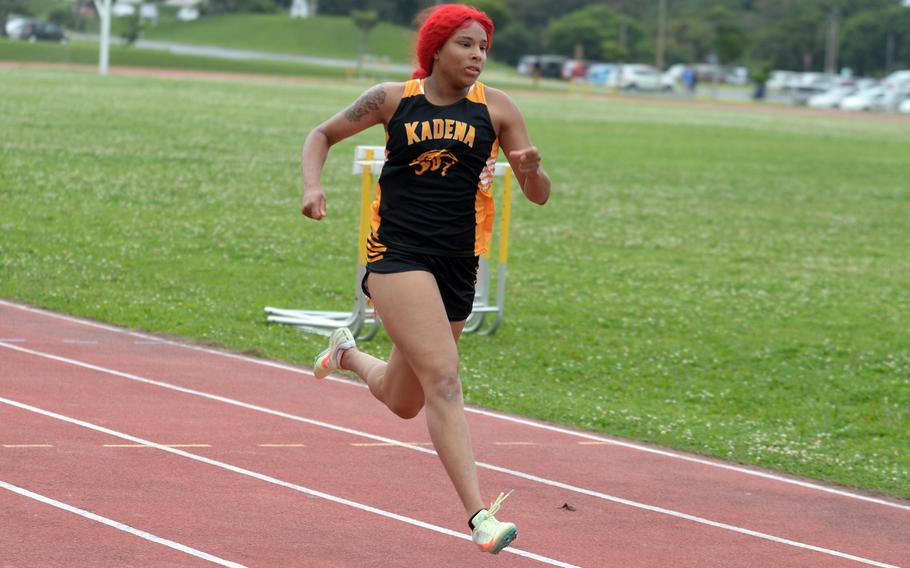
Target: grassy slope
x=726, y=282
x=86, y=53
x=326, y=36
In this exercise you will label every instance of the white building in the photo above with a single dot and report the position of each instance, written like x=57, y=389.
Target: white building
x=303, y=8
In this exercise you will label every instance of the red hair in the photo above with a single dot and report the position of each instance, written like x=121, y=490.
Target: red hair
x=439, y=23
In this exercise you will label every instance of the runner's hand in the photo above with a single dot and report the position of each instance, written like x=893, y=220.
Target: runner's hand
x=314, y=204
x=528, y=160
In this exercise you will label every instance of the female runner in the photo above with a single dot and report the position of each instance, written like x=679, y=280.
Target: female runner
x=431, y=219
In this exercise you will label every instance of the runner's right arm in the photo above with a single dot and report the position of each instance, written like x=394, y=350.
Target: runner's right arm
x=374, y=106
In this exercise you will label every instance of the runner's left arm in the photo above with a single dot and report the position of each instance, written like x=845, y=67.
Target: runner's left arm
x=523, y=156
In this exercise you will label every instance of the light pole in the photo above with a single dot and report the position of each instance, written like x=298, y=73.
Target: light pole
x=661, y=34
x=831, y=47
x=103, y=8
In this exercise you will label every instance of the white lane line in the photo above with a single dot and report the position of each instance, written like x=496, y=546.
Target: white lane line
x=487, y=413
x=157, y=445
x=28, y=445
x=483, y=465
x=11, y=340
x=119, y=526
x=388, y=444
x=81, y=341
x=276, y=481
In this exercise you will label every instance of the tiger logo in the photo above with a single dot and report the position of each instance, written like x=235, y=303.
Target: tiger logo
x=433, y=160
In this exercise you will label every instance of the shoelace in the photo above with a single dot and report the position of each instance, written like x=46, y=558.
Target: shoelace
x=497, y=503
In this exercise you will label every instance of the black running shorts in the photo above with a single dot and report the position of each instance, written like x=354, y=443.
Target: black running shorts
x=455, y=276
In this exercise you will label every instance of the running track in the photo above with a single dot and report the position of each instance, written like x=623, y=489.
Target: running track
x=123, y=449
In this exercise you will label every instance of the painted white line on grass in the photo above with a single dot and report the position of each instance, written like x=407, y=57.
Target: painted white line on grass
x=483, y=465
x=276, y=481
x=487, y=413
x=119, y=526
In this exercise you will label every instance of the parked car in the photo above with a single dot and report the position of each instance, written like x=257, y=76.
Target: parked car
x=672, y=78
x=549, y=65
x=575, y=69
x=123, y=9
x=781, y=81
x=637, y=77
x=868, y=99
x=736, y=76
x=897, y=87
x=832, y=97
x=34, y=30
x=15, y=25
x=600, y=73
x=898, y=78
x=864, y=83
x=807, y=85
x=905, y=107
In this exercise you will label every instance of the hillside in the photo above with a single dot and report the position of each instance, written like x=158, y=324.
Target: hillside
x=325, y=36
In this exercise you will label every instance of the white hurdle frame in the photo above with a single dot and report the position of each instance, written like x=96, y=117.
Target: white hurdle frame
x=362, y=319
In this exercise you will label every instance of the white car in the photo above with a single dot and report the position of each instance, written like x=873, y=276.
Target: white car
x=781, y=81
x=831, y=98
x=898, y=78
x=868, y=99
x=15, y=27
x=637, y=77
x=905, y=107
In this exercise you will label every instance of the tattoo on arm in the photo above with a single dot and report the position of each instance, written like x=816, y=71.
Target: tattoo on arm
x=367, y=103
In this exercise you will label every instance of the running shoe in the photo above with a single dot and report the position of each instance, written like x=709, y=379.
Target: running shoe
x=330, y=359
x=492, y=535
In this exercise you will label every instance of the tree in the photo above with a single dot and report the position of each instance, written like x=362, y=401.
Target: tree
x=497, y=10
x=612, y=51
x=592, y=26
x=514, y=41
x=132, y=29
x=875, y=39
x=537, y=13
x=792, y=42
x=633, y=8
x=365, y=20
x=729, y=41
x=689, y=40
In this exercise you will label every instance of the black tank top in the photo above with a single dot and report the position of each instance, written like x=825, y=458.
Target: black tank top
x=433, y=195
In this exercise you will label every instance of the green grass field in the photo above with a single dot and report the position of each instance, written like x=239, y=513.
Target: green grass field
x=720, y=280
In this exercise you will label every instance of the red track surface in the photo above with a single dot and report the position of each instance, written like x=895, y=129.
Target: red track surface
x=276, y=468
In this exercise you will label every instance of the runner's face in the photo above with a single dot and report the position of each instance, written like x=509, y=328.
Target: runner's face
x=463, y=56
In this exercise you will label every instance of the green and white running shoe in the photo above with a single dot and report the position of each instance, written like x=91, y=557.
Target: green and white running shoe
x=330, y=359
x=489, y=534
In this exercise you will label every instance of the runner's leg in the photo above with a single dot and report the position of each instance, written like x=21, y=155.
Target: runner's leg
x=426, y=350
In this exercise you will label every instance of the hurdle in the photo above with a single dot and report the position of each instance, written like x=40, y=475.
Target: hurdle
x=488, y=310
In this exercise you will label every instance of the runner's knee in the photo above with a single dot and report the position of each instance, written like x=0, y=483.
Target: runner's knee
x=443, y=385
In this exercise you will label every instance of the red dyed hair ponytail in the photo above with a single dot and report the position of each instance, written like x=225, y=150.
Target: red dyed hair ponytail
x=439, y=23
